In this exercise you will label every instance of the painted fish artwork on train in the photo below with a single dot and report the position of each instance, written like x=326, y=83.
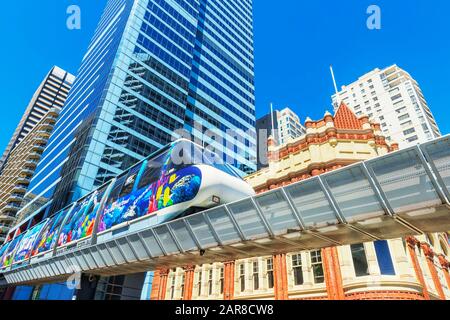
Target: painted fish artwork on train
x=81, y=223
x=9, y=254
x=169, y=190
x=25, y=248
x=49, y=234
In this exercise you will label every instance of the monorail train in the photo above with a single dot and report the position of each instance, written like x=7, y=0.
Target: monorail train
x=178, y=180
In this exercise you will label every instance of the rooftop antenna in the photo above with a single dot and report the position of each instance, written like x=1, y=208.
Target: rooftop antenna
x=336, y=104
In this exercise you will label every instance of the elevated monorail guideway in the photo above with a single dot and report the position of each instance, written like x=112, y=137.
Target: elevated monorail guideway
x=399, y=194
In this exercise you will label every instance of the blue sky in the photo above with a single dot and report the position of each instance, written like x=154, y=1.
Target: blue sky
x=295, y=42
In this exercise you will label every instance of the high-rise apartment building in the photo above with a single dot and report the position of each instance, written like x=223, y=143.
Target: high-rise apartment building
x=52, y=93
x=153, y=66
x=289, y=126
x=283, y=126
x=19, y=169
x=394, y=99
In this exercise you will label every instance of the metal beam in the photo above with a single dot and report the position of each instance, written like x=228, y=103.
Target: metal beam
x=192, y=233
x=120, y=250
x=211, y=227
x=158, y=241
x=236, y=225
x=376, y=186
x=175, y=239
x=132, y=249
x=263, y=218
x=439, y=182
x=294, y=209
x=334, y=204
x=146, y=248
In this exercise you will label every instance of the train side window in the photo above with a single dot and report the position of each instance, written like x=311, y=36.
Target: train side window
x=115, y=192
x=130, y=181
x=97, y=199
x=152, y=172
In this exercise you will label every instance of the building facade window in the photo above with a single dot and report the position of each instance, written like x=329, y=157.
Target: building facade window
x=222, y=280
x=409, y=131
x=384, y=258
x=359, y=260
x=172, y=287
x=210, y=282
x=199, y=283
x=398, y=96
x=317, y=267
x=400, y=110
x=255, y=275
x=297, y=269
x=270, y=281
x=183, y=279
x=242, y=277
x=407, y=123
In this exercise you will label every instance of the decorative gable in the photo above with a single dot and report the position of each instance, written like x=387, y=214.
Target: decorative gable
x=346, y=119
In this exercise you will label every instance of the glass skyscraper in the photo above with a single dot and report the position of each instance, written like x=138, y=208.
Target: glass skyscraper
x=153, y=67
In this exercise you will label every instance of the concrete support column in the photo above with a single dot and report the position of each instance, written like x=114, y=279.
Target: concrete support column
x=188, y=282
x=332, y=272
x=411, y=245
x=430, y=262
x=280, y=277
x=228, y=288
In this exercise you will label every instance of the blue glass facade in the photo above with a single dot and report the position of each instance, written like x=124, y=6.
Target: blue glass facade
x=153, y=67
